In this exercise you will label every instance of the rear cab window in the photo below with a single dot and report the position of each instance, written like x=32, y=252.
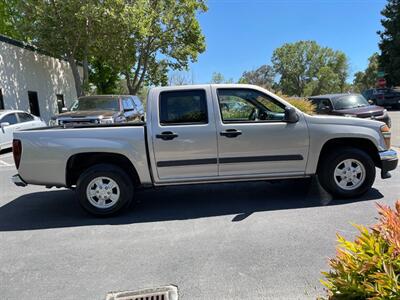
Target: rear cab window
x=186, y=107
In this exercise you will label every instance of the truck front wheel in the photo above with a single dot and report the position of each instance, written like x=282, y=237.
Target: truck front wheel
x=104, y=189
x=347, y=172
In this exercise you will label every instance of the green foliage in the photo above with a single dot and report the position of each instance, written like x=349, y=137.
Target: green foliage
x=74, y=29
x=104, y=77
x=303, y=104
x=154, y=37
x=390, y=42
x=263, y=76
x=367, y=79
x=217, y=77
x=305, y=68
x=369, y=267
x=141, y=39
x=9, y=17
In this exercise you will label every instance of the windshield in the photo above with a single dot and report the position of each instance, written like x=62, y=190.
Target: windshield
x=349, y=101
x=92, y=103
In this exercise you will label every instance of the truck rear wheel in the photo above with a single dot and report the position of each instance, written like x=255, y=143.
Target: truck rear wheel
x=104, y=190
x=347, y=172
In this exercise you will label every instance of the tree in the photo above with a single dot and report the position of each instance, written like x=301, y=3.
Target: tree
x=74, y=29
x=180, y=78
x=263, y=76
x=104, y=77
x=9, y=16
x=156, y=36
x=305, y=68
x=217, y=77
x=390, y=42
x=367, y=79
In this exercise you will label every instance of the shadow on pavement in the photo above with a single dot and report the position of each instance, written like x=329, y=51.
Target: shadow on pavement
x=59, y=208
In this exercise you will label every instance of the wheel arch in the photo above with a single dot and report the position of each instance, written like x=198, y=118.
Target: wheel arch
x=80, y=162
x=363, y=144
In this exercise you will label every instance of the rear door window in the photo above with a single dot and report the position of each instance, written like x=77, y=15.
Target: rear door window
x=183, y=107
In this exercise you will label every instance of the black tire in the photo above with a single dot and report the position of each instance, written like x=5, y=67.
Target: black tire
x=326, y=171
x=120, y=178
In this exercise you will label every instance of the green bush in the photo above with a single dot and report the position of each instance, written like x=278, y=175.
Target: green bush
x=301, y=103
x=369, y=267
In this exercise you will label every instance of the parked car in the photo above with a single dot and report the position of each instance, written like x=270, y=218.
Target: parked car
x=196, y=134
x=101, y=109
x=13, y=120
x=383, y=97
x=349, y=105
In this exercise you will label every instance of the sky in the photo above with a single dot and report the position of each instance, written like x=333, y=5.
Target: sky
x=242, y=34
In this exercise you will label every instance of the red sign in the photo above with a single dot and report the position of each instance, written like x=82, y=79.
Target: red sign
x=381, y=82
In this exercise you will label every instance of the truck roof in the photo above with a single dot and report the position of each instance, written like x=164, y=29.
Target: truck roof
x=202, y=86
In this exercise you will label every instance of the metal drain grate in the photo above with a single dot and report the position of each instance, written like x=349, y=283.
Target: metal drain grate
x=169, y=292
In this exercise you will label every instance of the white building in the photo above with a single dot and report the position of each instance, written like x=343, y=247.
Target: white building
x=33, y=81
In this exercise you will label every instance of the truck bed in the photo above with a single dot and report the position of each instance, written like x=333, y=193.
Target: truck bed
x=47, y=150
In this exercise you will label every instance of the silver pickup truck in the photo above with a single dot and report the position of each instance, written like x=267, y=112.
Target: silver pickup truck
x=203, y=134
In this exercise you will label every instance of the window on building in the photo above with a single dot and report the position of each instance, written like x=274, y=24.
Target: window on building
x=34, y=103
x=183, y=107
x=60, y=102
x=1, y=99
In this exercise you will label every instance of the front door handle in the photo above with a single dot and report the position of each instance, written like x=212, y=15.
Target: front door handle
x=230, y=133
x=167, y=135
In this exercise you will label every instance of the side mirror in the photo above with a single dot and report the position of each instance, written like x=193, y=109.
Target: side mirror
x=291, y=115
x=64, y=109
x=370, y=102
x=4, y=124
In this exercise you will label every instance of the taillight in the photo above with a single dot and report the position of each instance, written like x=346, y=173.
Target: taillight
x=17, y=151
x=380, y=96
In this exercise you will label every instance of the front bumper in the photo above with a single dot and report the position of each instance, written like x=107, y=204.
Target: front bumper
x=389, y=162
x=18, y=181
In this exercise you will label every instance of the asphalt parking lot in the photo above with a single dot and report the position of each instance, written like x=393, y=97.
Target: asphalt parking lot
x=395, y=116
x=229, y=241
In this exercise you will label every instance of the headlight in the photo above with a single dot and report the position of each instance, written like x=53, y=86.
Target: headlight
x=385, y=130
x=349, y=116
x=107, y=121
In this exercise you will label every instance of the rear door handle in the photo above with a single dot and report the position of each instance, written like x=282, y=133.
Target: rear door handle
x=230, y=133
x=166, y=135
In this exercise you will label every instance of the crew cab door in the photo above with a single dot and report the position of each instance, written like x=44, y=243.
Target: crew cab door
x=253, y=137
x=183, y=135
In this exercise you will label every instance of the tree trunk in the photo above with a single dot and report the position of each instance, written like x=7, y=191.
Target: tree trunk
x=85, y=81
x=77, y=76
x=131, y=88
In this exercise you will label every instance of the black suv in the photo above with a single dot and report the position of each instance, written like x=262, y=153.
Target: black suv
x=383, y=96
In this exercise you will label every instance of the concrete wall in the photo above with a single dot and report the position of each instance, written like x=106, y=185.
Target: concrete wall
x=23, y=70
